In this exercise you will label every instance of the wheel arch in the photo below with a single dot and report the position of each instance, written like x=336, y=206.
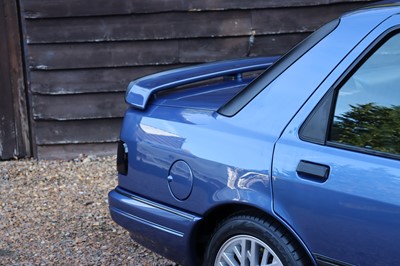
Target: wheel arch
x=205, y=228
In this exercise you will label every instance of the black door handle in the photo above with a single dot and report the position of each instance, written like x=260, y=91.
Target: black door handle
x=313, y=171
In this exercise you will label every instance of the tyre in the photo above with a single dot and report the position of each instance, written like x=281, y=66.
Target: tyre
x=249, y=240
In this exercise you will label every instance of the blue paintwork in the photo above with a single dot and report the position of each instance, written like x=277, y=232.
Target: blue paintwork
x=180, y=180
x=140, y=90
x=250, y=159
x=208, y=97
x=159, y=224
x=355, y=215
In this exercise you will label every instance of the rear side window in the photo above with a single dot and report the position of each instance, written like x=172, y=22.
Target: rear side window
x=367, y=109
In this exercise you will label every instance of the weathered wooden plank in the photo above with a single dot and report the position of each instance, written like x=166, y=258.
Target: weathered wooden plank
x=17, y=79
x=14, y=129
x=8, y=140
x=183, y=25
x=77, y=131
x=97, y=80
x=296, y=20
x=72, y=151
x=140, y=27
x=146, y=53
x=275, y=45
x=78, y=106
x=116, y=54
x=7, y=129
x=74, y=8
x=213, y=49
x=94, y=55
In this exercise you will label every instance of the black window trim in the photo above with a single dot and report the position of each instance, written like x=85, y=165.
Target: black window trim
x=331, y=97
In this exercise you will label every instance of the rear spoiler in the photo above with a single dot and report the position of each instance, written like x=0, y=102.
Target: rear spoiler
x=140, y=90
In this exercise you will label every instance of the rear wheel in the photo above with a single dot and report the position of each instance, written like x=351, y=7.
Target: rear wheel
x=249, y=240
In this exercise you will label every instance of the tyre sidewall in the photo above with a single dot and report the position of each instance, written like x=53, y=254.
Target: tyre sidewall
x=252, y=227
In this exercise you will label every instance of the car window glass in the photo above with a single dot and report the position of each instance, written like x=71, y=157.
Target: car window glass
x=367, y=111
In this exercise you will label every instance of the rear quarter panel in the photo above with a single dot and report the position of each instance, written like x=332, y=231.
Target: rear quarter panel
x=229, y=163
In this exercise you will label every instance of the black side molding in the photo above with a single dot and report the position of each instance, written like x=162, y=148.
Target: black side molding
x=325, y=261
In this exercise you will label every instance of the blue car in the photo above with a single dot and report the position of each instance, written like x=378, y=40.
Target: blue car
x=289, y=160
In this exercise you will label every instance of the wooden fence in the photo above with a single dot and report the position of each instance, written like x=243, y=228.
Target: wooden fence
x=80, y=55
x=14, y=121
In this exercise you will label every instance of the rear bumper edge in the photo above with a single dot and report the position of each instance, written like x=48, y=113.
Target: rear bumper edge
x=160, y=228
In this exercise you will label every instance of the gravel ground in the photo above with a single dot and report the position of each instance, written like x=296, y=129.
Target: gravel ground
x=56, y=213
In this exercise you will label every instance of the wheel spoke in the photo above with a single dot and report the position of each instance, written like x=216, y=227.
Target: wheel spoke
x=245, y=250
x=240, y=251
x=265, y=257
x=229, y=260
x=252, y=254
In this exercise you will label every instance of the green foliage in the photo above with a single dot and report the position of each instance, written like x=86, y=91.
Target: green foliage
x=369, y=126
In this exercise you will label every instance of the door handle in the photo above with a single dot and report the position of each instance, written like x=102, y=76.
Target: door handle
x=313, y=171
